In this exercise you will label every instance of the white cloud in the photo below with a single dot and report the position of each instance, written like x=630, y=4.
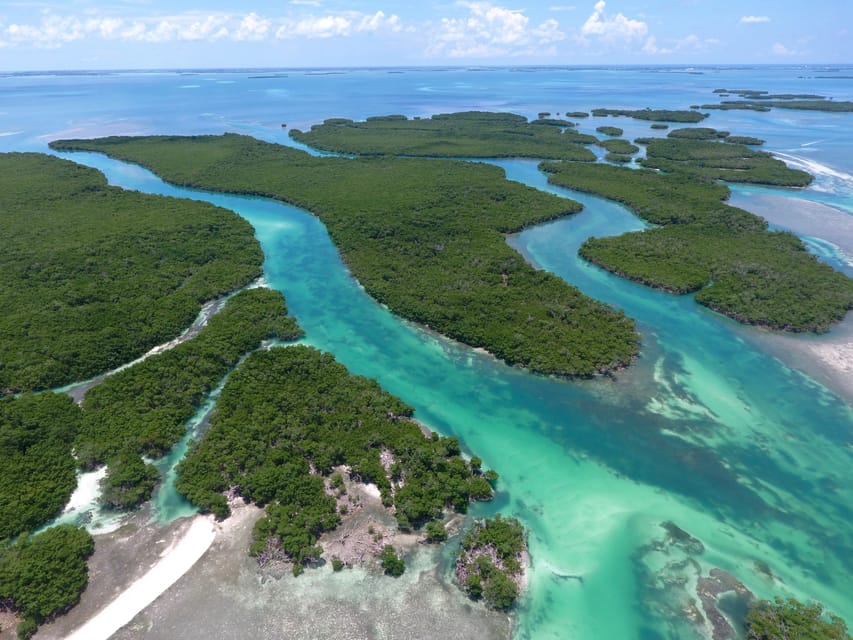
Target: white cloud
x=562, y=7
x=754, y=19
x=691, y=42
x=52, y=32
x=613, y=29
x=488, y=30
x=252, y=27
x=779, y=49
x=379, y=21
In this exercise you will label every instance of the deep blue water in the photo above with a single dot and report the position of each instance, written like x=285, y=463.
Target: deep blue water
x=707, y=430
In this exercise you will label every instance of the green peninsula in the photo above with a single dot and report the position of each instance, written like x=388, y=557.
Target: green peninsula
x=653, y=115
x=425, y=237
x=472, y=134
x=724, y=254
x=94, y=276
x=288, y=420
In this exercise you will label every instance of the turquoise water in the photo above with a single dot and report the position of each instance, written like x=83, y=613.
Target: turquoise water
x=706, y=431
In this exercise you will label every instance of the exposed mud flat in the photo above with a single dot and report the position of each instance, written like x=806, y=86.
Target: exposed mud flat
x=226, y=595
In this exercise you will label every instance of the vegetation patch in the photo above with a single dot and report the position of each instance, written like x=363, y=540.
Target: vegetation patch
x=42, y=576
x=94, y=276
x=143, y=410
x=784, y=619
x=764, y=101
x=610, y=131
x=492, y=561
x=425, y=237
x=655, y=115
x=745, y=140
x=719, y=161
x=37, y=470
x=725, y=254
x=286, y=419
x=619, y=146
x=472, y=134
x=697, y=133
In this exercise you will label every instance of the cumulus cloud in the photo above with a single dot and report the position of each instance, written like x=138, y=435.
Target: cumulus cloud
x=329, y=26
x=54, y=31
x=780, y=49
x=616, y=29
x=489, y=30
x=691, y=42
x=252, y=27
x=754, y=19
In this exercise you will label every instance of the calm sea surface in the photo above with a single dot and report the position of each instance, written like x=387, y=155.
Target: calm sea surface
x=746, y=460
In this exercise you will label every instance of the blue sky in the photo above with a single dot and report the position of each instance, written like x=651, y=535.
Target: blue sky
x=144, y=34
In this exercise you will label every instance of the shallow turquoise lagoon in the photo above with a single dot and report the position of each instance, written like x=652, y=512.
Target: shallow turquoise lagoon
x=747, y=458
x=745, y=455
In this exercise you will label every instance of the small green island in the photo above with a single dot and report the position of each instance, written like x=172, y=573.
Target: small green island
x=757, y=100
x=492, y=561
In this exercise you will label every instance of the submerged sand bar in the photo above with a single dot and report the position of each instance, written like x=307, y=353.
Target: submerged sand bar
x=173, y=563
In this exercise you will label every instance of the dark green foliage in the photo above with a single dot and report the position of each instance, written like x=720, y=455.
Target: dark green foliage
x=143, y=409
x=435, y=531
x=489, y=561
x=618, y=158
x=37, y=470
x=656, y=115
x=337, y=564
x=129, y=481
x=764, y=101
x=424, y=237
x=660, y=125
x=472, y=134
x=792, y=620
x=619, y=147
x=94, y=276
x=391, y=562
x=719, y=161
x=745, y=140
x=726, y=254
x=697, y=133
x=286, y=410
x=576, y=114
x=44, y=575
x=553, y=122
x=610, y=131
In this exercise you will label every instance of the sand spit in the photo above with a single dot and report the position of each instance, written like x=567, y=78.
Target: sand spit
x=827, y=358
x=224, y=594
x=173, y=563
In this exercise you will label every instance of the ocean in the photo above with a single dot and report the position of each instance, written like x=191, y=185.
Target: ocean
x=724, y=447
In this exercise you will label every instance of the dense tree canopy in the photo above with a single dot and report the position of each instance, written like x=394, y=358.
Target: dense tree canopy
x=94, y=276
x=424, y=237
x=725, y=254
x=474, y=134
x=37, y=470
x=44, y=574
x=489, y=564
x=793, y=620
x=286, y=418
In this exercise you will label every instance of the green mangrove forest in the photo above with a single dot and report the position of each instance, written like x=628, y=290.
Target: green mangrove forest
x=491, y=561
x=724, y=254
x=286, y=419
x=473, y=134
x=425, y=237
x=94, y=276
